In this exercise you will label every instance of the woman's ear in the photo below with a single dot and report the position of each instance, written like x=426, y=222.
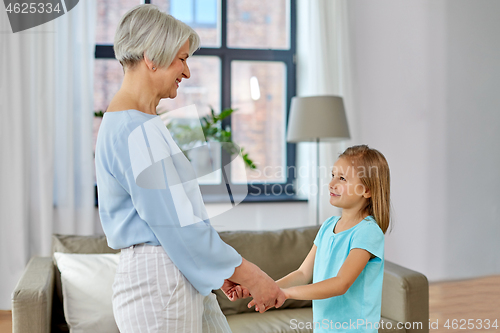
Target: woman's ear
x=149, y=63
x=368, y=193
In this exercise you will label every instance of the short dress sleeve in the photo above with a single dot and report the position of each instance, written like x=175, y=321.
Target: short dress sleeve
x=369, y=237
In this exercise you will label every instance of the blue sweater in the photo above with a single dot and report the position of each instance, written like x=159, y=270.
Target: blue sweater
x=148, y=194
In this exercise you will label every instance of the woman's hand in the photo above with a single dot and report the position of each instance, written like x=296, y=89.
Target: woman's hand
x=269, y=295
x=265, y=292
x=286, y=296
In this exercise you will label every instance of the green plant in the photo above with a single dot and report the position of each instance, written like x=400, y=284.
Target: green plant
x=186, y=135
x=99, y=113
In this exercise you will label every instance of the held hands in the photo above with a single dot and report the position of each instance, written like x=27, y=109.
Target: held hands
x=266, y=296
x=283, y=291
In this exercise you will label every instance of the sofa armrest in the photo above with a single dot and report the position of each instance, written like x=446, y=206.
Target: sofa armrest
x=32, y=297
x=405, y=297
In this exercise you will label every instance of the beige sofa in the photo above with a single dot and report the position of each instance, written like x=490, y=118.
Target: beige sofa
x=37, y=298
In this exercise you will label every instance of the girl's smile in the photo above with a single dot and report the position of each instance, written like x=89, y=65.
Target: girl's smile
x=346, y=189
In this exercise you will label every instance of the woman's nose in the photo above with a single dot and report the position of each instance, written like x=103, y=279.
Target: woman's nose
x=186, y=72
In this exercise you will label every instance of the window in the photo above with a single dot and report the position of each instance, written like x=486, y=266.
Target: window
x=245, y=61
x=196, y=13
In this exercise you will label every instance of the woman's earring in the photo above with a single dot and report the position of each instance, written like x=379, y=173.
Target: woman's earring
x=154, y=68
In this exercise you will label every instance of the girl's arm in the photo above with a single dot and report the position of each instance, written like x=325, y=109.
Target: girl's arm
x=338, y=285
x=303, y=275
x=348, y=273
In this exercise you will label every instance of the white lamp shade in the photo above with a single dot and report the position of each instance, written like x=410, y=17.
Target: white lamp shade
x=317, y=118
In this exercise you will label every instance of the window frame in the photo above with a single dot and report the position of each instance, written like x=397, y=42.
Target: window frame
x=257, y=192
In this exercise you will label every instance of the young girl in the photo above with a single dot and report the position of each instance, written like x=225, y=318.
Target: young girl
x=346, y=262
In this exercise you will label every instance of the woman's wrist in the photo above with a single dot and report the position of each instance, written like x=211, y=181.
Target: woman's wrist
x=249, y=275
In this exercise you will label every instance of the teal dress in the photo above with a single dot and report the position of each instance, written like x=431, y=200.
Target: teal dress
x=358, y=310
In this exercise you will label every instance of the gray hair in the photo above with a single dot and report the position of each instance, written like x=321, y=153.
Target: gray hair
x=145, y=30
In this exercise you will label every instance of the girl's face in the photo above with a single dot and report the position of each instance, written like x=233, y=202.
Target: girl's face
x=346, y=189
x=173, y=74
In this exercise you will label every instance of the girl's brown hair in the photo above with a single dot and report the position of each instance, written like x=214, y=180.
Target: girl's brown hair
x=373, y=171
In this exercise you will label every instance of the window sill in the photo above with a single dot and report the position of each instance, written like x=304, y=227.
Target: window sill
x=256, y=198
x=262, y=198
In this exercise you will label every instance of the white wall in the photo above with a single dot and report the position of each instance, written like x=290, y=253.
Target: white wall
x=426, y=79
x=260, y=216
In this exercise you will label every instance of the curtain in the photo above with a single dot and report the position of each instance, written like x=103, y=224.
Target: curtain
x=323, y=68
x=46, y=169
x=73, y=160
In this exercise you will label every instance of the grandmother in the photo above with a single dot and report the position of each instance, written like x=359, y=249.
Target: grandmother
x=149, y=200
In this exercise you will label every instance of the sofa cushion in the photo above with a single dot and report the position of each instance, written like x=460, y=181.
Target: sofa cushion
x=282, y=321
x=276, y=252
x=72, y=244
x=80, y=244
x=77, y=244
x=288, y=321
x=87, y=291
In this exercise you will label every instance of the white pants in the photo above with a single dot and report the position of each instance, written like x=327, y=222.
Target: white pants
x=150, y=294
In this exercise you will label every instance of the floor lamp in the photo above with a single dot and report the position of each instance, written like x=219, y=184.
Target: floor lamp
x=315, y=119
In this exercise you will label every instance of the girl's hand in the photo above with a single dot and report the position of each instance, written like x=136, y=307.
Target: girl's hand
x=239, y=292
x=228, y=288
x=234, y=291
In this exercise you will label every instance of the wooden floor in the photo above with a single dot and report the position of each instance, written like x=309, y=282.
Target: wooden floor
x=461, y=303
x=469, y=302
x=5, y=322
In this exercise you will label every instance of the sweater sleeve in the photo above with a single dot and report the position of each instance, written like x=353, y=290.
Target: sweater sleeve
x=166, y=195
